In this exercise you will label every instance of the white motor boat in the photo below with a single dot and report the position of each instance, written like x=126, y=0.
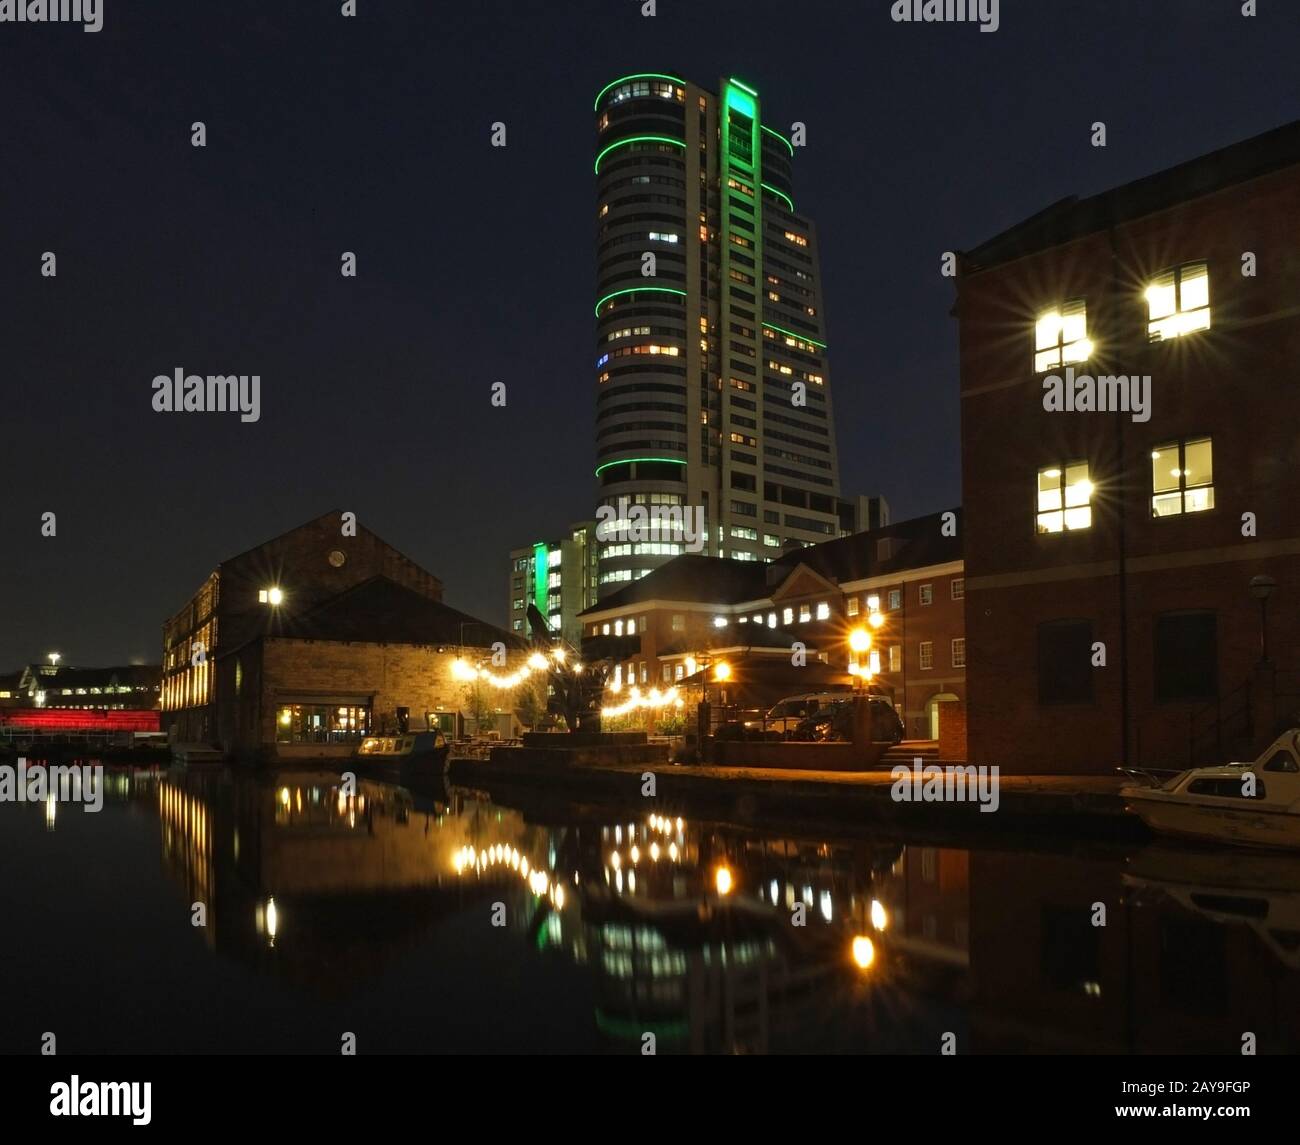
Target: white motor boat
x=1245, y=804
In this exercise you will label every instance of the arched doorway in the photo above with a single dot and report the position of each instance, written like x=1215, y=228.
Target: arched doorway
x=932, y=710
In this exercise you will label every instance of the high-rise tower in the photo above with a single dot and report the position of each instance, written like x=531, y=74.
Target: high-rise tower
x=699, y=365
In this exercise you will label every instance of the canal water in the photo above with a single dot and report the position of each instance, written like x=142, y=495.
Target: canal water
x=444, y=921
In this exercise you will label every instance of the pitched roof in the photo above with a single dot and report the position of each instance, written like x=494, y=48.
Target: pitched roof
x=1073, y=217
x=381, y=611
x=693, y=577
x=906, y=545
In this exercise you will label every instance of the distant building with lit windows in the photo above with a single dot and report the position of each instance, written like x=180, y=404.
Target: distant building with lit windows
x=1120, y=561
x=54, y=685
x=904, y=582
x=559, y=577
x=712, y=388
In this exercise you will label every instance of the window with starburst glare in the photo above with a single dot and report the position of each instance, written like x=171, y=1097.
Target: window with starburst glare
x=1178, y=302
x=1061, y=336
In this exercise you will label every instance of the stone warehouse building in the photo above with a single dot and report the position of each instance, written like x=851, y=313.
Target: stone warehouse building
x=376, y=658
x=1119, y=566
x=695, y=610
x=326, y=624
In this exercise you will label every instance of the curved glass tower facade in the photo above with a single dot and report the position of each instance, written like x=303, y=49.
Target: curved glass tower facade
x=712, y=391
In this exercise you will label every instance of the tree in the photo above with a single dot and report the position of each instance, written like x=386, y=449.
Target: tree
x=530, y=706
x=478, y=704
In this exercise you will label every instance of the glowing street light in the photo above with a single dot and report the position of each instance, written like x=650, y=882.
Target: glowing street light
x=864, y=952
x=722, y=671
x=55, y=657
x=722, y=880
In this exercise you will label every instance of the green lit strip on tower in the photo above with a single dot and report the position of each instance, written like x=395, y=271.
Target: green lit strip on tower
x=638, y=139
x=541, y=570
x=779, y=195
x=626, y=460
x=638, y=76
x=802, y=337
x=639, y=290
x=781, y=137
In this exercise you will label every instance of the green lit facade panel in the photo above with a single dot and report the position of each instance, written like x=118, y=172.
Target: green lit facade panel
x=541, y=574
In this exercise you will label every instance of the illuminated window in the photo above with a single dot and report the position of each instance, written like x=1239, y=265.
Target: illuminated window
x=895, y=657
x=1064, y=498
x=1061, y=337
x=1182, y=477
x=851, y=606
x=823, y=611
x=787, y=616
x=798, y=240
x=1179, y=302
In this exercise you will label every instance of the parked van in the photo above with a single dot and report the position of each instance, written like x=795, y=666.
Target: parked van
x=786, y=715
x=834, y=721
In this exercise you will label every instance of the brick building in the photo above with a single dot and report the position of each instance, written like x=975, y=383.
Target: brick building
x=1110, y=551
x=379, y=657
x=328, y=613
x=695, y=610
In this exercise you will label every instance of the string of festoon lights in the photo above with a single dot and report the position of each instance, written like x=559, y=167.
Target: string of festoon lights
x=636, y=699
x=462, y=669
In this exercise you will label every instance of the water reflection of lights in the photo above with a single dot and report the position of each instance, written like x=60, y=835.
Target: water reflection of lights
x=879, y=917
x=266, y=916
x=864, y=952
x=472, y=861
x=665, y=825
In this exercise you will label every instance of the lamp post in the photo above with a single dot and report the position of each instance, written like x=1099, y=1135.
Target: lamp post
x=1261, y=588
x=859, y=644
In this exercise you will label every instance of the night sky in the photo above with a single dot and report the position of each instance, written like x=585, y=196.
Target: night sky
x=476, y=265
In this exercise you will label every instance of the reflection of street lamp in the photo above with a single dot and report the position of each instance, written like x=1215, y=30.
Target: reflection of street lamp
x=1261, y=588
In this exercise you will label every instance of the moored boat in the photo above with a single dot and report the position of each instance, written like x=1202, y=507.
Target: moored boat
x=1243, y=804
x=424, y=750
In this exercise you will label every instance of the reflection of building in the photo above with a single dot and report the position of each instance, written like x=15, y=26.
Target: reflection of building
x=305, y=643
x=694, y=610
x=1178, y=967
x=711, y=379
x=311, y=883
x=1134, y=535
x=559, y=577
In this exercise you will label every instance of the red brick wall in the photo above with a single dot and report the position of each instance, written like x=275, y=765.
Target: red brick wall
x=952, y=731
x=1234, y=382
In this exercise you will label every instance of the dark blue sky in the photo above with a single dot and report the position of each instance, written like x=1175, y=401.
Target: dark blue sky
x=476, y=265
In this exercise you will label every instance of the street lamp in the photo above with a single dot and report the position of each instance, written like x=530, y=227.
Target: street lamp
x=859, y=643
x=1261, y=588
